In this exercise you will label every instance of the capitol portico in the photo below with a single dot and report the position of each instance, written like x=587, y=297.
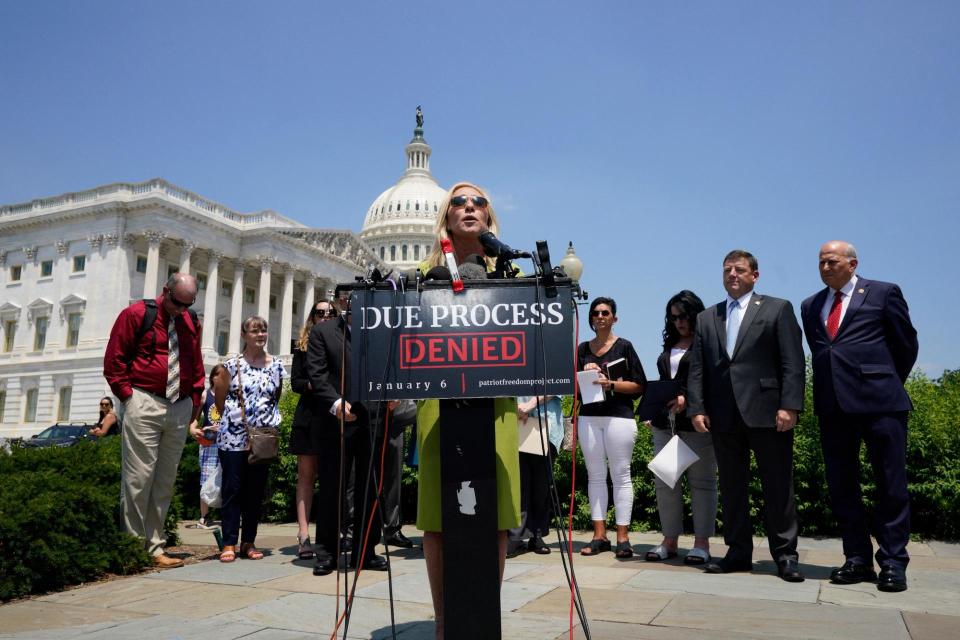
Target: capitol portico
x=70, y=263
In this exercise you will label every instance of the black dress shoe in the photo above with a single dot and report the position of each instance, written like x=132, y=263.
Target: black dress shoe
x=789, y=570
x=892, y=579
x=537, y=545
x=515, y=548
x=397, y=539
x=373, y=563
x=852, y=573
x=725, y=565
x=324, y=565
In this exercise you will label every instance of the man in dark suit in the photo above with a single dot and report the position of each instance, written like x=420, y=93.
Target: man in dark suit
x=745, y=387
x=328, y=363
x=863, y=348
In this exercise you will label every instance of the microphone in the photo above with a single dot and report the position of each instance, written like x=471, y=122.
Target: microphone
x=494, y=248
x=437, y=273
x=455, y=280
x=474, y=267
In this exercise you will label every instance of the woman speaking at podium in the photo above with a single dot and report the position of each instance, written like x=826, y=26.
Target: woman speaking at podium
x=465, y=213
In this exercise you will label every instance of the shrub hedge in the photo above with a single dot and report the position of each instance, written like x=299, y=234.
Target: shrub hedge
x=59, y=507
x=59, y=518
x=933, y=470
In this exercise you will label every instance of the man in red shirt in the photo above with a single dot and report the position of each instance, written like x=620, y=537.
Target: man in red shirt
x=159, y=379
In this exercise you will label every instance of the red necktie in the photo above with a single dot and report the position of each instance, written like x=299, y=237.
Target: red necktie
x=833, y=320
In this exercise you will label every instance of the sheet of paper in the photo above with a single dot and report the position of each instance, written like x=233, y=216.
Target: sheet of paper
x=530, y=437
x=590, y=392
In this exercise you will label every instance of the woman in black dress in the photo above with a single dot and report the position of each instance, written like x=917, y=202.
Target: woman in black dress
x=301, y=440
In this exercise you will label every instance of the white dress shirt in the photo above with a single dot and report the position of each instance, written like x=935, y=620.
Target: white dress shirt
x=847, y=291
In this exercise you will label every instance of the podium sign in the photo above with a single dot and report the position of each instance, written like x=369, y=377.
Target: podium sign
x=497, y=338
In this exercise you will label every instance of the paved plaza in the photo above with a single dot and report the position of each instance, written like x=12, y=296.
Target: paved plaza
x=278, y=598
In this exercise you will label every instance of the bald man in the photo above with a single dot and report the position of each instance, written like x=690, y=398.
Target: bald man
x=863, y=347
x=154, y=366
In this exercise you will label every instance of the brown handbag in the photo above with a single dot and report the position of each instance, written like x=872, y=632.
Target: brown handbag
x=263, y=443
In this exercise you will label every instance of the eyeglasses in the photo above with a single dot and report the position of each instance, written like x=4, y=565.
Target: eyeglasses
x=179, y=304
x=104, y=404
x=600, y=312
x=478, y=201
x=325, y=313
x=682, y=316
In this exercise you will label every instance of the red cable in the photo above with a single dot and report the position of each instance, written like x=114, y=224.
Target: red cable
x=366, y=533
x=573, y=472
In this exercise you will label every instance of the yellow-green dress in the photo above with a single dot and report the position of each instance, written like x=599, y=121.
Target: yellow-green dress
x=508, y=464
x=508, y=461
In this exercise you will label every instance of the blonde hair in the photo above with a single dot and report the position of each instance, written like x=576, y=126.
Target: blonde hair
x=304, y=337
x=436, y=259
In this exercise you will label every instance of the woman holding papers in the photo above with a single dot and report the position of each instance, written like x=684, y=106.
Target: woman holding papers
x=673, y=364
x=606, y=428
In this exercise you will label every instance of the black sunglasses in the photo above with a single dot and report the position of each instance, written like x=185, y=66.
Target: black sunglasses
x=181, y=305
x=600, y=312
x=478, y=201
x=682, y=316
x=329, y=313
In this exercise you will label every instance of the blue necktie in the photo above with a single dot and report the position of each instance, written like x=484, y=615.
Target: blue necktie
x=733, y=325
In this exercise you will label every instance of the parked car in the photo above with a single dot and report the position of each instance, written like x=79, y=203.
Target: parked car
x=60, y=435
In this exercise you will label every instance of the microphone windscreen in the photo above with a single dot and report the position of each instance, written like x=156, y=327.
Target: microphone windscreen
x=472, y=271
x=437, y=273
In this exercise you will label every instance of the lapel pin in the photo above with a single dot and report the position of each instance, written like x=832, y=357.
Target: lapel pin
x=861, y=290
x=757, y=303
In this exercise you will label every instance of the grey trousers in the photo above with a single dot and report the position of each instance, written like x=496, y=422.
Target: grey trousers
x=154, y=433
x=702, y=476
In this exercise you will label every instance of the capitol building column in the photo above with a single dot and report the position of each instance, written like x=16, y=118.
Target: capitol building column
x=186, y=248
x=286, y=311
x=263, y=299
x=210, y=302
x=154, y=238
x=236, y=308
x=309, y=288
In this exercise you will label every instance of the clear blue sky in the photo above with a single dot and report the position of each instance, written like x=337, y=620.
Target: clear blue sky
x=656, y=136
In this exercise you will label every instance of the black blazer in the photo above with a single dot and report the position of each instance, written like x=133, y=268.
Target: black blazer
x=862, y=370
x=328, y=356
x=766, y=372
x=305, y=414
x=661, y=421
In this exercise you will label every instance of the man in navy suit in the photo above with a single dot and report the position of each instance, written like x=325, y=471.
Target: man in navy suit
x=745, y=387
x=863, y=347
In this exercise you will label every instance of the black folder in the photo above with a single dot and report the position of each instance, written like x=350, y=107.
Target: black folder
x=656, y=396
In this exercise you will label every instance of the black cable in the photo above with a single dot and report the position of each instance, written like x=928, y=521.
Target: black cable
x=554, y=494
x=372, y=475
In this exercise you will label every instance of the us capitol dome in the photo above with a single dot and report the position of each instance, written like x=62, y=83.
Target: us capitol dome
x=399, y=224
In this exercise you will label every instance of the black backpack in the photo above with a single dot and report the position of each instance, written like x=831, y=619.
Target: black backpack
x=149, y=317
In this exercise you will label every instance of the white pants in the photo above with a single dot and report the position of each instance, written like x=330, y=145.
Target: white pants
x=154, y=432
x=608, y=441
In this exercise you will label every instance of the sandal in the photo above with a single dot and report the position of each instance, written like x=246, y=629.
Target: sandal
x=250, y=552
x=596, y=546
x=305, y=549
x=229, y=554
x=659, y=553
x=697, y=556
x=624, y=550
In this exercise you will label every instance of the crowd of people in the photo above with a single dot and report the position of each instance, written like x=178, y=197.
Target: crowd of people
x=739, y=369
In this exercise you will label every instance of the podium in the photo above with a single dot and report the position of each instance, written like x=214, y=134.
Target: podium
x=495, y=339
